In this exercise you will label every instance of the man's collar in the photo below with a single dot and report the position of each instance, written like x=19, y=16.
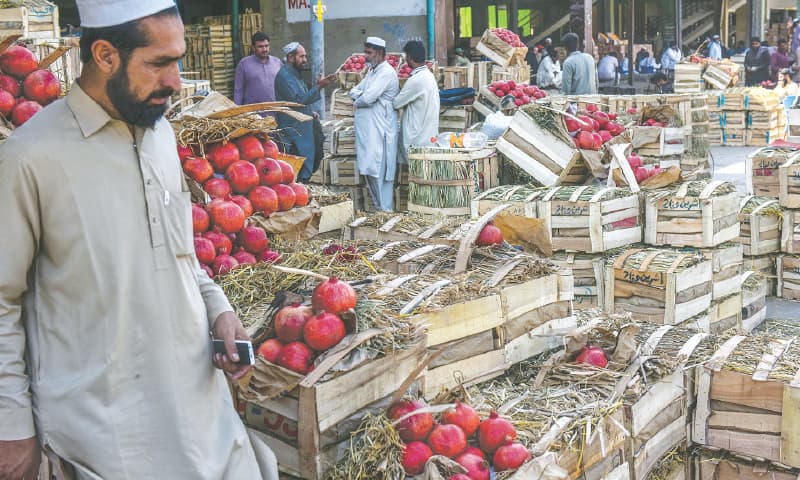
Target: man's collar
x=90, y=116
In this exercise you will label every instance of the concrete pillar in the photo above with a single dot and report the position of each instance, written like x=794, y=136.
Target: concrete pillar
x=587, y=27
x=679, y=23
x=756, y=18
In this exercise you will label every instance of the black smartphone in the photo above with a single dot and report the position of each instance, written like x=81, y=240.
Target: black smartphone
x=243, y=347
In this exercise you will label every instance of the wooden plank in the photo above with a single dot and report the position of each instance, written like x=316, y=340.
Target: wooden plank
x=522, y=298
x=746, y=422
x=462, y=319
x=740, y=389
x=468, y=371
x=790, y=434
x=751, y=444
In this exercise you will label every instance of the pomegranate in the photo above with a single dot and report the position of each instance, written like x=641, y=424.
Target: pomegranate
x=200, y=220
x=598, y=140
x=208, y=270
x=269, y=256
x=592, y=356
x=459, y=476
x=270, y=350
x=184, y=153
x=586, y=140
x=300, y=194
x=222, y=244
x=224, y=264
x=250, y=147
x=602, y=118
x=447, y=440
x=591, y=108
x=227, y=216
x=7, y=103
x=244, y=257
x=476, y=465
x=605, y=135
x=464, y=416
x=271, y=149
x=510, y=456
x=204, y=250
x=222, y=156
x=634, y=160
x=586, y=123
x=641, y=174
x=475, y=451
x=323, y=331
x=286, y=198
x=10, y=85
x=254, y=239
x=264, y=200
x=415, y=456
x=243, y=203
x=288, y=171
x=573, y=124
x=415, y=427
x=269, y=171
x=494, y=432
x=289, y=322
x=490, y=235
x=18, y=61
x=614, y=128
x=333, y=296
x=23, y=111
x=217, y=187
x=296, y=356
x=198, y=169
x=41, y=86
x=242, y=175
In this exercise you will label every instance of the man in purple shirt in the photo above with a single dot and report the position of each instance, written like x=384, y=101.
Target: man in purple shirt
x=780, y=59
x=255, y=75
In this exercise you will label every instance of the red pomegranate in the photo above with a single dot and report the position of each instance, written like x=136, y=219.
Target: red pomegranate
x=200, y=220
x=634, y=160
x=323, y=331
x=447, y=440
x=242, y=175
x=591, y=108
x=227, y=216
x=415, y=427
x=289, y=322
x=254, y=239
x=271, y=149
x=243, y=203
x=10, y=85
x=250, y=147
x=7, y=103
x=641, y=174
x=598, y=140
x=288, y=171
x=222, y=244
x=490, y=235
x=475, y=451
x=601, y=118
x=41, y=86
x=477, y=466
x=300, y=194
x=585, y=140
x=605, y=135
x=286, y=198
x=510, y=456
x=18, y=61
x=184, y=153
x=204, y=250
x=217, y=187
x=592, y=356
x=464, y=416
x=333, y=296
x=269, y=256
x=415, y=456
x=198, y=169
x=494, y=432
x=572, y=124
x=222, y=156
x=459, y=476
x=23, y=111
x=296, y=356
x=264, y=200
x=224, y=264
x=208, y=270
x=270, y=350
x=586, y=123
x=244, y=257
x=269, y=171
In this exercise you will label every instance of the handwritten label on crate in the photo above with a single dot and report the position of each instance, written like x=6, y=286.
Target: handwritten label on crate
x=770, y=163
x=569, y=209
x=672, y=203
x=650, y=279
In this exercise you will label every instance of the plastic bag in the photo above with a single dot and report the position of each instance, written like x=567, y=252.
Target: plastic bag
x=495, y=125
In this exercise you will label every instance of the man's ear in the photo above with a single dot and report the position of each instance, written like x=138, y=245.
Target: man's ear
x=106, y=56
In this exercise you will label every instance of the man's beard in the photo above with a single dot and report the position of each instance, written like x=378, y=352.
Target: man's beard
x=140, y=114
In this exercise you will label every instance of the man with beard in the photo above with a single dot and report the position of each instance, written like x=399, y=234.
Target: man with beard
x=419, y=101
x=254, y=81
x=756, y=63
x=290, y=87
x=105, y=358
x=376, y=124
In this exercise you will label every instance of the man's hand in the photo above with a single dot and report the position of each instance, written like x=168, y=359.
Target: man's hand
x=323, y=82
x=228, y=328
x=19, y=459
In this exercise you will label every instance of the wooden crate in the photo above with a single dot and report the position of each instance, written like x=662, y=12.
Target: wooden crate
x=704, y=220
x=498, y=51
x=764, y=120
x=667, y=141
x=522, y=199
x=748, y=414
x=427, y=185
x=733, y=120
x=788, y=270
x=789, y=180
x=762, y=138
x=764, y=173
x=668, y=295
x=590, y=219
x=455, y=119
x=335, y=216
x=322, y=175
x=790, y=232
x=588, y=272
x=550, y=160
x=717, y=464
x=754, y=301
x=343, y=139
x=765, y=265
x=760, y=225
x=734, y=137
x=455, y=77
x=401, y=198
x=33, y=19
x=519, y=73
x=341, y=104
x=348, y=80
x=343, y=171
x=725, y=313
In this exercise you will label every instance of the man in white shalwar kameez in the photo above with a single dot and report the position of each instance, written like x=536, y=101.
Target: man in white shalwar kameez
x=376, y=124
x=419, y=100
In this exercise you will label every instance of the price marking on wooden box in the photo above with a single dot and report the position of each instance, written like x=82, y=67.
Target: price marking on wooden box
x=651, y=279
x=680, y=204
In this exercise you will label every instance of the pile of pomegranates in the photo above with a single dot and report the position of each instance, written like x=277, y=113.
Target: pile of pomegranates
x=405, y=69
x=591, y=129
x=393, y=60
x=641, y=172
x=509, y=37
x=523, y=94
x=478, y=446
x=302, y=332
x=355, y=63
x=652, y=122
x=24, y=87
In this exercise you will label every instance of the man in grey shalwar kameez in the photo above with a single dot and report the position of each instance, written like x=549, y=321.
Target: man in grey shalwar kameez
x=376, y=124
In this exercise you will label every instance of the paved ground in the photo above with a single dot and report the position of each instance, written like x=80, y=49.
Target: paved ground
x=730, y=163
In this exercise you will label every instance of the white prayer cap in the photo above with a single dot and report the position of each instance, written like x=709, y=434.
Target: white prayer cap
x=106, y=13
x=378, y=42
x=290, y=47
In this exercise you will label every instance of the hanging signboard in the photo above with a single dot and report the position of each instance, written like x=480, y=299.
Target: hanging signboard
x=298, y=10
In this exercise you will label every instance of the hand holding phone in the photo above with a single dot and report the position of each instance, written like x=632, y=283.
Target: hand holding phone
x=243, y=347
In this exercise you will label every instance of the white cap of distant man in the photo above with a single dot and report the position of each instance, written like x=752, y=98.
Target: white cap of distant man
x=378, y=42
x=107, y=13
